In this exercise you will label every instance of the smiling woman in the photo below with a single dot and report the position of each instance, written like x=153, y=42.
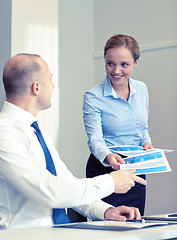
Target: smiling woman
x=119, y=64
x=115, y=112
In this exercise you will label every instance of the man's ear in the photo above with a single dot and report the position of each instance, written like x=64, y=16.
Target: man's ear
x=35, y=88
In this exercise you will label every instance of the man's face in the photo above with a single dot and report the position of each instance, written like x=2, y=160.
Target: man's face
x=46, y=87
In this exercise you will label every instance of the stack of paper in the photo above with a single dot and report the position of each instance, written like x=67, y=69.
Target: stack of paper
x=111, y=225
x=144, y=161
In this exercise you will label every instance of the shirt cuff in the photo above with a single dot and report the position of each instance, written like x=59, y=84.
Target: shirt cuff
x=102, y=156
x=100, y=210
x=145, y=141
x=105, y=184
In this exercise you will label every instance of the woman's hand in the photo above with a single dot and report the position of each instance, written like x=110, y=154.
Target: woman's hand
x=147, y=146
x=114, y=160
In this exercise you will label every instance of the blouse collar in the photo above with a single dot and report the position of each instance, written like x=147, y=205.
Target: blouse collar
x=109, y=90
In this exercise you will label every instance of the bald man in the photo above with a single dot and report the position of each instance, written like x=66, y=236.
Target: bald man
x=30, y=191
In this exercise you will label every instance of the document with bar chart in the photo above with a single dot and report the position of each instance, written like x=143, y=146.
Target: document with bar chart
x=144, y=161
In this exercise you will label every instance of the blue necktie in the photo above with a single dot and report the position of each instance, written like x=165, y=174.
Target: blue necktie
x=59, y=214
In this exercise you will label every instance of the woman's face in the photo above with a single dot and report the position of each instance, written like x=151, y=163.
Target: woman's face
x=119, y=64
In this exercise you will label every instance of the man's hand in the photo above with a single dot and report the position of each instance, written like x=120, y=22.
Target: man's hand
x=124, y=180
x=114, y=160
x=122, y=213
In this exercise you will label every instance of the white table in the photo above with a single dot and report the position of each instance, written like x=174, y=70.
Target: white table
x=49, y=233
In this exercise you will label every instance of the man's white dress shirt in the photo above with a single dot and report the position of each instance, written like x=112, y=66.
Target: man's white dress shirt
x=28, y=191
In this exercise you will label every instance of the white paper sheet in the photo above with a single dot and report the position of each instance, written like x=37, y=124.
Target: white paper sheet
x=144, y=161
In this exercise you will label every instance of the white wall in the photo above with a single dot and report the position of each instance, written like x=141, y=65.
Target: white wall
x=149, y=22
x=5, y=46
x=76, y=75
x=153, y=24
x=35, y=30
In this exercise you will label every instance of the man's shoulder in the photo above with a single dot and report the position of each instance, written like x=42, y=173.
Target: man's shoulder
x=10, y=126
x=5, y=120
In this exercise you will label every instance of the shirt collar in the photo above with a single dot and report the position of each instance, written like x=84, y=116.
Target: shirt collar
x=107, y=87
x=18, y=113
x=109, y=90
x=132, y=88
